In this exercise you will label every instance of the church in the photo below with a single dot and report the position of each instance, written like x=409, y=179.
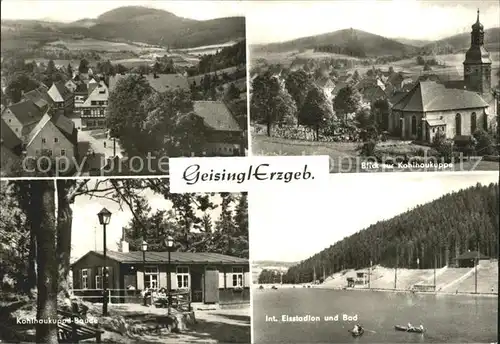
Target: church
x=456, y=108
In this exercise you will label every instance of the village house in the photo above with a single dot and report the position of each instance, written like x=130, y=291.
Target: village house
x=54, y=136
x=71, y=85
x=209, y=278
x=22, y=117
x=431, y=107
x=93, y=110
x=327, y=85
x=63, y=99
x=40, y=98
x=224, y=134
x=10, y=148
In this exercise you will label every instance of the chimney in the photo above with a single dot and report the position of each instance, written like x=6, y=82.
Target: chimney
x=123, y=243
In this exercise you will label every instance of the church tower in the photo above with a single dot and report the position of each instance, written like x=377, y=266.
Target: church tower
x=477, y=64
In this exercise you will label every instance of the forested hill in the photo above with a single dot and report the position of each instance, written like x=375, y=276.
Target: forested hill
x=437, y=231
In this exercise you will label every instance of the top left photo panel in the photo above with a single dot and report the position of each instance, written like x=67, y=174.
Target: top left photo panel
x=116, y=88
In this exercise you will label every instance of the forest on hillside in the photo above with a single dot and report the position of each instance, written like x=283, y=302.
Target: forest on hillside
x=435, y=233
x=231, y=56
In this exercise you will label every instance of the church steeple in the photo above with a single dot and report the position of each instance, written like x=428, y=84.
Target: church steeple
x=477, y=34
x=477, y=64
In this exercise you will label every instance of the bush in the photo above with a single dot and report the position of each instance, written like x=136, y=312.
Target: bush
x=485, y=145
x=367, y=149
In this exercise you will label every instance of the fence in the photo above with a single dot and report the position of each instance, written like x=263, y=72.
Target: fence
x=179, y=299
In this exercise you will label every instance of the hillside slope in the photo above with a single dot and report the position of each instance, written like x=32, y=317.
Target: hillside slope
x=461, y=42
x=435, y=233
x=373, y=45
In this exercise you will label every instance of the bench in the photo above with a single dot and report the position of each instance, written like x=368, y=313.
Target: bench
x=73, y=331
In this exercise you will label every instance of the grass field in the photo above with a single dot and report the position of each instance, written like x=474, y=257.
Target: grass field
x=344, y=156
x=99, y=45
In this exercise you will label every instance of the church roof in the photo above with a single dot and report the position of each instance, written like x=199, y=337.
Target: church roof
x=431, y=96
x=477, y=25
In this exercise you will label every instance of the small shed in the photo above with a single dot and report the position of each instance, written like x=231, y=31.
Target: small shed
x=469, y=259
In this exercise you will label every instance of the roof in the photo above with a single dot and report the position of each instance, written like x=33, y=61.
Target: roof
x=96, y=94
x=472, y=255
x=373, y=93
x=59, y=92
x=325, y=82
x=431, y=96
x=160, y=83
x=216, y=115
x=39, y=97
x=26, y=112
x=8, y=138
x=175, y=257
x=63, y=123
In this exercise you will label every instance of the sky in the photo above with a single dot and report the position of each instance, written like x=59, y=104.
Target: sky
x=87, y=233
x=279, y=21
x=292, y=226
x=70, y=10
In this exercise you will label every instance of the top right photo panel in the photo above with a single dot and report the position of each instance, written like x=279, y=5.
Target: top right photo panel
x=378, y=86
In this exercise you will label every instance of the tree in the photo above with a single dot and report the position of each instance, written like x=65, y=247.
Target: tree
x=69, y=71
x=485, y=144
x=356, y=76
x=427, y=67
x=316, y=111
x=83, y=68
x=270, y=103
x=347, y=101
x=20, y=83
x=125, y=116
x=298, y=84
x=232, y=92
x=380, y=111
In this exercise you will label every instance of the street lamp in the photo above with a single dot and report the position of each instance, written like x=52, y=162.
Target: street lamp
x=169, y=243
x=144, y=248
x=104, y=217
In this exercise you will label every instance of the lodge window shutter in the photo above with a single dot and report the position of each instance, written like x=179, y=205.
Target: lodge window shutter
x=173, y=280
x=246, y=280
x=221, y=280
x=229, y=280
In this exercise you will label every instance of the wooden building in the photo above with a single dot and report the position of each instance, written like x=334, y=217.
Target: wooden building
x=469, y=259
x=210, y=278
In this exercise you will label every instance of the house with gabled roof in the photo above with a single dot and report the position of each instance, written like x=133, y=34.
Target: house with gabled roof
x=10, y=149
x=40, y=98
x=327, y=85
x=22, y=117
x=93, y=109
x=224, y=135
x=62, y=97
x=54, y=136
x=207, y=277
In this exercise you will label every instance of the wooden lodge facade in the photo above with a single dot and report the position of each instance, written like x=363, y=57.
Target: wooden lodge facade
x=209, y=278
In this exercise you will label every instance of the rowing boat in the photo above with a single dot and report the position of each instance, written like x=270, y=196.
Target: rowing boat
x=406, y=329
x=357, y=333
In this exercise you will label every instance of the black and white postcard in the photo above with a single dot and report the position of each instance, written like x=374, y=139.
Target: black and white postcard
x=107, y=88
x=378, y=258
x=377, y=85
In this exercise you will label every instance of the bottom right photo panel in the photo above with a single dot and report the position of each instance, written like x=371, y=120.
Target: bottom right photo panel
x=377, y=258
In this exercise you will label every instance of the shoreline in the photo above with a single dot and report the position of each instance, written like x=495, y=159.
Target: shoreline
x=301, y=286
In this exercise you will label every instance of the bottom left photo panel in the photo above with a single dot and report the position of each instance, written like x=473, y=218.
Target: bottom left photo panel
x=122, y=261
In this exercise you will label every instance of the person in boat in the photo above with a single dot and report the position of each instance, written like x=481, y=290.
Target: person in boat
x=409, y=327
x=421, y=328
x=357, y=329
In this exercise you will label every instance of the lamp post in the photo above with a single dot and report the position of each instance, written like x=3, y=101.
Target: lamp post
x=169, y=243
x=144, y=248
x=104, y=217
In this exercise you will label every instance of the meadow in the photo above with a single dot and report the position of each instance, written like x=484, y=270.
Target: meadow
x=99, y=45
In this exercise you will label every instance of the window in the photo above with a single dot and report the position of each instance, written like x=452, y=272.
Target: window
x=414, y=125
x=485, y=121
x=63, y=152
x=182, y=277
x=93, y=102
x=43, y=140
x=433, y=130
x=98, y=278
x=56, y=139
x=151, y=277
x=458, y=124
x=85, y=279
x=473, y=123
x=238, y=277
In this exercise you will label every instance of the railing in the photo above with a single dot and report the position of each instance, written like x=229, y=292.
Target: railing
x=179, y=299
